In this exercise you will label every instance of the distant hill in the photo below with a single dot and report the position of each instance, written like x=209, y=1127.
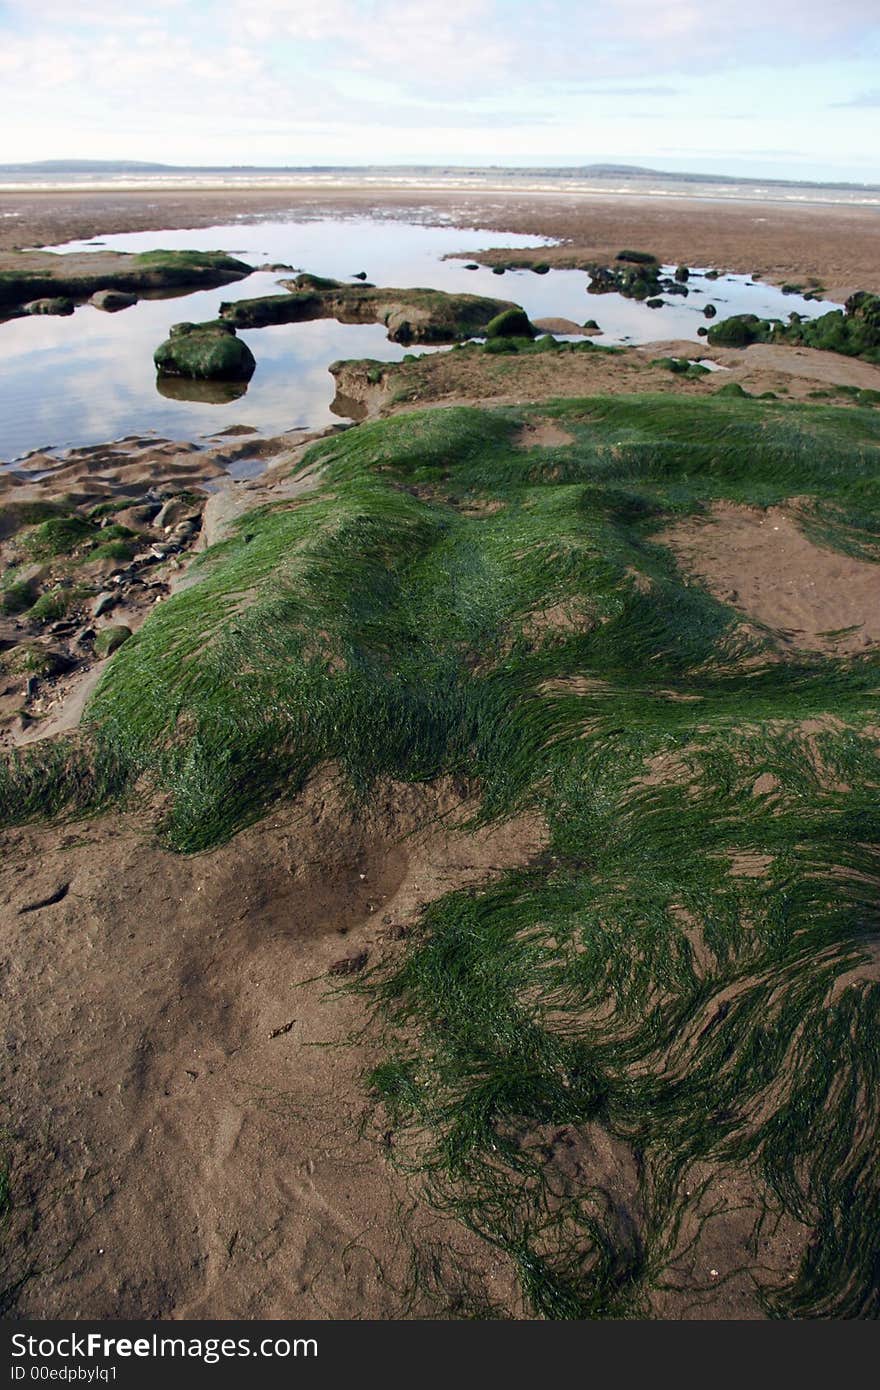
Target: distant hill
x=111, y=167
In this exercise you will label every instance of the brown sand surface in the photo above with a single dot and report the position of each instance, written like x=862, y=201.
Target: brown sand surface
x=837, y=245
x=761, y=562
x=185, y=1102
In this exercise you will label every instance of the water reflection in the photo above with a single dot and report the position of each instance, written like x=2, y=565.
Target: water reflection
x=178, y=388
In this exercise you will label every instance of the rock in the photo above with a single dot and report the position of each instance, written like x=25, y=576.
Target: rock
x=137, y=516
x=275, y=267
x=472, y=265
x=739, y=331
x=710, y=311
x=512, y=323
x=184, y=529
x=103, y=603
x=58, y=305
x=682, y=273
x=636, y=257
x=112, y=300
x=349, y=965
x=110, y=639
x=205, y=352
x=176, y=509
x=654, y=303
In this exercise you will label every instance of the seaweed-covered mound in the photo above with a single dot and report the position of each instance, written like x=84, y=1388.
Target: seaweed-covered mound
x=205, y=352
x=27, y=276
x=410, y=315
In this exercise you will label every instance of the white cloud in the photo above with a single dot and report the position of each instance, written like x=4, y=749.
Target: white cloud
x=398, y=78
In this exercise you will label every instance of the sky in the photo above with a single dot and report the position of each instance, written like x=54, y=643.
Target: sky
x=765, y=88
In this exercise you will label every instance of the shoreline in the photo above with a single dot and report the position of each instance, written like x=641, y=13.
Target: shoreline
x=837, y=244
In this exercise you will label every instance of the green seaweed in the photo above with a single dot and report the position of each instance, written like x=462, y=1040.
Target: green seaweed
x=633, y=982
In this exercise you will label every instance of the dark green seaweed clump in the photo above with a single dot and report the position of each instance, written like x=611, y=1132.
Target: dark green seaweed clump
x=686, y=978
x=637, y=257
x=853, y=331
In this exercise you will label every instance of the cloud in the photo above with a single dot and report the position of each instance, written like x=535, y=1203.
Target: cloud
x=860, y=102
x=183, y=74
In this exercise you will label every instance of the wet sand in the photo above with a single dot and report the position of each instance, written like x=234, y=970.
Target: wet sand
x=839, y=246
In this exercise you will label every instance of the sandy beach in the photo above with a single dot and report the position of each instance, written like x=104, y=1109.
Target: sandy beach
x=839, y=246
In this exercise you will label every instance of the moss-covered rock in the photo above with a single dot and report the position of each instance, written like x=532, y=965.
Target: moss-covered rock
x=639, y=281
x=205, y=352
x=739, y=331
x=110, y=639
x=414, y=315
x=853, y=331
x=637, y=257
x=511, y=323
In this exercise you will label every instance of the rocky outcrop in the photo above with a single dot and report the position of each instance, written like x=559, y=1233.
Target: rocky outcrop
x=853, y=331
x=28, y=277
x=409, y=315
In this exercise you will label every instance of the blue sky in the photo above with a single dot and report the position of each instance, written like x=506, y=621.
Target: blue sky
x=785, y=88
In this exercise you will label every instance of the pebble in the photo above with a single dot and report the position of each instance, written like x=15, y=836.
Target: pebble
x=103, y=603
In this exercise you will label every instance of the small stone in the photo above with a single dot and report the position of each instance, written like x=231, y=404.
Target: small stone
x=103, y=603
x=349, y=965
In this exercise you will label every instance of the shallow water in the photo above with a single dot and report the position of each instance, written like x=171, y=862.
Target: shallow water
x=90, y=377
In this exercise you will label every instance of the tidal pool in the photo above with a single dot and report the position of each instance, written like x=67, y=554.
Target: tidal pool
x=89, y=378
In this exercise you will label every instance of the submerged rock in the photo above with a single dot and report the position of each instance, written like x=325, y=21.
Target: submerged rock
x=113, y=300
x=58, y=305
x=205, y=352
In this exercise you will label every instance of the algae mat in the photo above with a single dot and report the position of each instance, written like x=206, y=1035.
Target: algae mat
x=644, y=1065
